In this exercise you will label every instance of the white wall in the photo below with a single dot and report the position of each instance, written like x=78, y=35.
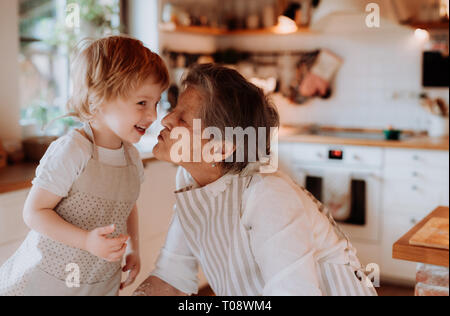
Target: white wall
x=9, y=76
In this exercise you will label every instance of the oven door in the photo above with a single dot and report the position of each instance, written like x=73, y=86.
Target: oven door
x=363, y=220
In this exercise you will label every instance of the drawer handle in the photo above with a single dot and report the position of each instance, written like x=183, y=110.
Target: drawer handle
x=415, y=174
x=415, y=188
x=415, y=157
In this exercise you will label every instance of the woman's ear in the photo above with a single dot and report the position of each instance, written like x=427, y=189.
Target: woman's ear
x=218, y=151
x=228, y=149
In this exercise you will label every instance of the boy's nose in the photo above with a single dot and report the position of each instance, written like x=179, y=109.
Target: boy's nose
x=151, y=114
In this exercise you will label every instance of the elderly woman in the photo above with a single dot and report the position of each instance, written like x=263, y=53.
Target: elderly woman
x=252, y=233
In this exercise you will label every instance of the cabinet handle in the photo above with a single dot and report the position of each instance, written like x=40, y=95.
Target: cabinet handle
x=413, y=221
x=415, y=157
x=415, y=174
x=415, y=188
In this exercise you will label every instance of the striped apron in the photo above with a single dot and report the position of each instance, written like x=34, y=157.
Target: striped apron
x=221, y=243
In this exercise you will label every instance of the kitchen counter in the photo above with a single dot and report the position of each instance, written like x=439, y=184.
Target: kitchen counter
x=404, y=251
x=432, y=270
x=19, y=177
x=297, y=134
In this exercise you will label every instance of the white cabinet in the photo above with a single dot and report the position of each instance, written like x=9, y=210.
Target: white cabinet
x=156, y=200
x=394, y=227
x=155, y=206
x=415, y=183
x=12, y=226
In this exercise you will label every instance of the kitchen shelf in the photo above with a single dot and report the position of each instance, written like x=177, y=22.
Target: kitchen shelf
x=432, y=26
x=211, y=31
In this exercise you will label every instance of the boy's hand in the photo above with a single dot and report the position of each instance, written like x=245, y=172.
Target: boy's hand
x=109, y=249
x=133, y=264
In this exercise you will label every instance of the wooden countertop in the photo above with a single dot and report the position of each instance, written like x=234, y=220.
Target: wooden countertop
x=404, y=251
x=293, y=134
x=18, y=177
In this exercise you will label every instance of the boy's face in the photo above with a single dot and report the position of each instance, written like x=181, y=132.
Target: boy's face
x=129, y=117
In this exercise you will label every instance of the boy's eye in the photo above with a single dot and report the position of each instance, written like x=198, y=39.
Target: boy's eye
x=143, y=103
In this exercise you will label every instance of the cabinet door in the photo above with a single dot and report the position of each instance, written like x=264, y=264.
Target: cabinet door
x=12, y=226
x=395, y=226
x=156, y=201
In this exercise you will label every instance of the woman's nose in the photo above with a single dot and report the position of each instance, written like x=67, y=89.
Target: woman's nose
x=168, y=121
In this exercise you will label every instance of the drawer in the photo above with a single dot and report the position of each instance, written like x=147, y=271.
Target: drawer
x=422, y=175
x=298, y=152
x=412, y=197
x=316, y=153
x=417, y=158
x=367, y=156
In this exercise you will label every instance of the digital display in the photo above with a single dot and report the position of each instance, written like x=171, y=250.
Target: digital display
x=336, y=154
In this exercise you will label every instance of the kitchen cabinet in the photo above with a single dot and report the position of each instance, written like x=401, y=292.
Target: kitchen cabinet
x=155, y=206
x=394, y=226
x=415, y=181
x=412, y=181
x=12, y=226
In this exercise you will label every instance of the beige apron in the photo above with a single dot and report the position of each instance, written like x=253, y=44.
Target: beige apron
x=102, y=195
x=220, y=241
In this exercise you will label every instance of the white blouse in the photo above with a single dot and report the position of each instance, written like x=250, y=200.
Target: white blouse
x=67, y=157
x=288, y=236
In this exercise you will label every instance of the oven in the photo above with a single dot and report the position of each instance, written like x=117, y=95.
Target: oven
x=347, y=179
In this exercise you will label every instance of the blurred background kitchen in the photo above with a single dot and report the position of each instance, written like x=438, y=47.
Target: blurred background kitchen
x=362, y=88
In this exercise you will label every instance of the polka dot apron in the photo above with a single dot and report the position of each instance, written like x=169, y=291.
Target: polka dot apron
x=102, y=195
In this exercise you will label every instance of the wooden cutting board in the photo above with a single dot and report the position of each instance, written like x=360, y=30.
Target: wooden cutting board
x=433, y=234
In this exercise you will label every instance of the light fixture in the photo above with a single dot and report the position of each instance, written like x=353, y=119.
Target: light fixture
x=422, y=35
x=285, y=25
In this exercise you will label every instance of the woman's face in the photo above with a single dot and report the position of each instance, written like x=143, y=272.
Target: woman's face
x=187, y=110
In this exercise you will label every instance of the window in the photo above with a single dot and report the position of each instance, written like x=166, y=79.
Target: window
x=46, y=43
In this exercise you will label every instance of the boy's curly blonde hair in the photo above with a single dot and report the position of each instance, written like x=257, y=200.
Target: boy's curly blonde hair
x=109, y=68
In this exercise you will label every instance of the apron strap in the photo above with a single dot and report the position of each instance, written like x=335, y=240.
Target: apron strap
x=88, y=130
x=126, y=152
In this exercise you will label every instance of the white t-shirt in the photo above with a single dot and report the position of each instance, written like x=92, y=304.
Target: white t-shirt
x=68, y=156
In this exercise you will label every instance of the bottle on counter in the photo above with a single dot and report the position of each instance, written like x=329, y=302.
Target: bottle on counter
x=253, y=15
x=268, y=15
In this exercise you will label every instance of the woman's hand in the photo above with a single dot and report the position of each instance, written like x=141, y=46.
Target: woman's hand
x=109, y=249
x=133, y=264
